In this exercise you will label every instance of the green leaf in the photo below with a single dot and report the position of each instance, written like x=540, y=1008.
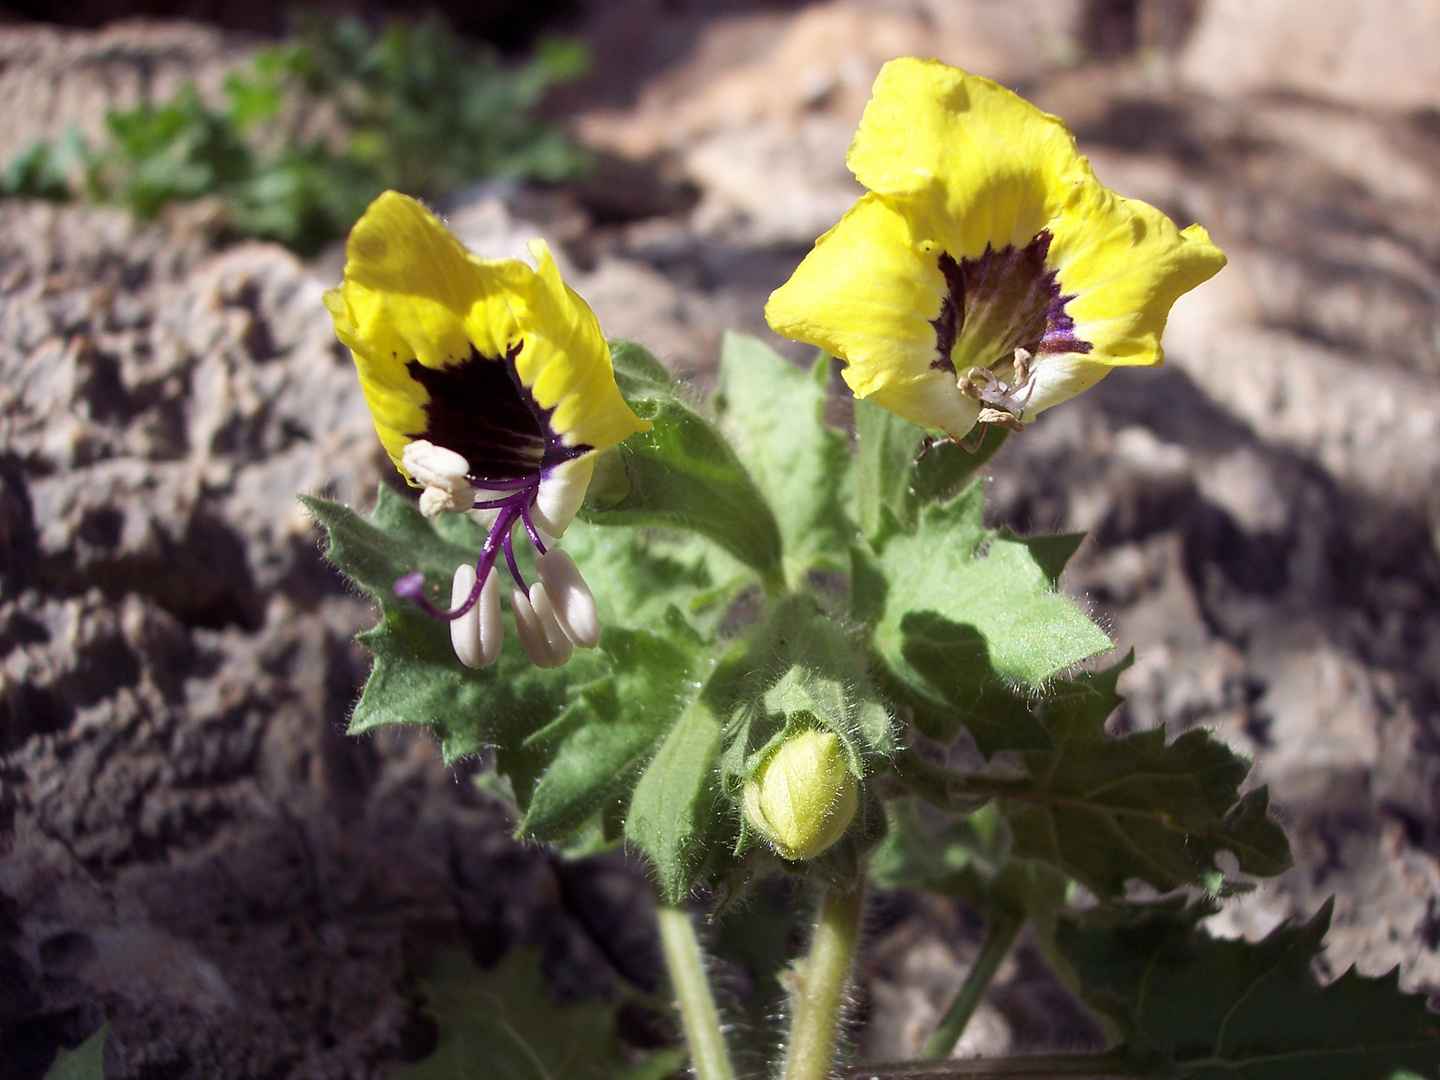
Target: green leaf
x=681, y=474
x=503, y=1025
x=676, y=815
x=774, y=414
x=611, y=729
x=1107, y=810
x=85, y=1062
x=966, y=619
x=954, y=660
x=416, y=678
x=966, y=856
x=396, y=541
x=1192, y=1006
x=898, y=473
x=637, y=575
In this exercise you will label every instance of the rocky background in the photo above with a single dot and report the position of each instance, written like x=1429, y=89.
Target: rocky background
x=190, y=847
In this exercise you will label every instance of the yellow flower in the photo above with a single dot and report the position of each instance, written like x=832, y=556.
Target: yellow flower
x=803, y=797
x=987, y=274
x=483, y=376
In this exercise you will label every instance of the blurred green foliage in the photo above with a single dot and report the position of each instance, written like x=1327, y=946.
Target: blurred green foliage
x=318, y=126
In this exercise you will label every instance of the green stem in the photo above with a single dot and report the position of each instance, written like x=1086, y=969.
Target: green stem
x=708, y=1056
x=773, y=582
x=1108, y=1065
x=824, y=982
x=999, y=936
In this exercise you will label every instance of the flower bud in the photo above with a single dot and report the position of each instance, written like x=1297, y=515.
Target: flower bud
x=803, y=797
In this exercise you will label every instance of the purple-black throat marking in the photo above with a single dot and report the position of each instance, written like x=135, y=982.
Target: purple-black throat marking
x=481, y=410
x=1002, y=301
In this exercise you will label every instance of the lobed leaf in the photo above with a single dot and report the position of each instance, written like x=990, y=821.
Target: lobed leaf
x=966, y=619
x=676, y=814
x=416, y=678
x=1107, y=810
x=898, y=472
x=966, y=856
x=799, y=669
x=1191, y=1006
x=611, y=730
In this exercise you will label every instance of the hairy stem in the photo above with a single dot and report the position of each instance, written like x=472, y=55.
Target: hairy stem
x=999, y=936
x=708, y=1056
x=824, y=981
x=1106, y=1066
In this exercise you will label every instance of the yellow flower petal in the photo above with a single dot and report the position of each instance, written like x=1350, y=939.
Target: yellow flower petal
x=1124, y=264
x=968, y=162
x=869, y=294
x=412, y=292
x=566, y=362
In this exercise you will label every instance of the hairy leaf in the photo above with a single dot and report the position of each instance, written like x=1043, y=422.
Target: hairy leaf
x=612, y=728
x=1107, y=810
x=1191, y=1006
x=799, y=669
x=676, y=812
x=416, y=678
x=503, y=1025
x=681, y=474
x=965, y=856
x=966, y=618
x=637, y=575
x=773, y=412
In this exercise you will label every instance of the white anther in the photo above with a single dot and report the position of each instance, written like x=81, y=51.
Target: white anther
x=530, y=629
x=478, y=634
x=561, y=647
x=442, y=473
x=434, y=466
x=562, y=490
x=435, y=501
x=573, y=602
x=465, y=631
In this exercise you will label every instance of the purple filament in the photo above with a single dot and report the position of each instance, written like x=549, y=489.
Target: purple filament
x=513, y=507
x=530, y=528
x=510, y=559
x=517, y=484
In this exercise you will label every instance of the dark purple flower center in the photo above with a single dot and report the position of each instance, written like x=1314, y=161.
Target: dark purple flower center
x=480, y=409
x=1002, y=301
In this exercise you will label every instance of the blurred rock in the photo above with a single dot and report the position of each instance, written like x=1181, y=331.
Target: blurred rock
x=1382, y=53
x=762, y=112
x=51, y=79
